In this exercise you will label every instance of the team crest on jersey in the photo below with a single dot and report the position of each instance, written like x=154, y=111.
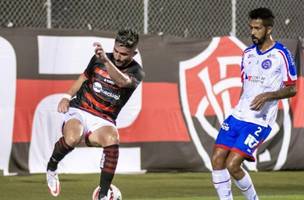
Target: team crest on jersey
x=266, y=64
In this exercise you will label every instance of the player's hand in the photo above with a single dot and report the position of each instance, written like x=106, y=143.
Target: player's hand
x=63, y=105
x=259, y=101
x=100, y=53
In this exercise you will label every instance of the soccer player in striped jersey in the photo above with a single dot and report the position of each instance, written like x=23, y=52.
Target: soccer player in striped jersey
x=92, y=104
x=268, y=74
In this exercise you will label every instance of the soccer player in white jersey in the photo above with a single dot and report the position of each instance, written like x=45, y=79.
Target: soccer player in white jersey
x=268, y=74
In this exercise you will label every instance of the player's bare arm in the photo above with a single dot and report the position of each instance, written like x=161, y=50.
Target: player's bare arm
x=261, y=99
x=63, y=105
x=121, y=79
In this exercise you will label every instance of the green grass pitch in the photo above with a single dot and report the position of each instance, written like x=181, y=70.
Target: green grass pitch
x=287, y=185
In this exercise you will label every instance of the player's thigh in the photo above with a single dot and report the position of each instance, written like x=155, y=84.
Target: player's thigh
x=72, y=131
x=104, y=136
x=233, y=164
x=219, y=156
x=234, y=160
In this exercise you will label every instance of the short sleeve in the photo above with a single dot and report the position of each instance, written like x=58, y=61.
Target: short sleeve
x=242, y=68
x=288, y=67
x=136, y=74
x=89, y=70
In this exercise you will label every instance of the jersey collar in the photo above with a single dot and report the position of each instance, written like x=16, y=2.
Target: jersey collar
x=259, y=52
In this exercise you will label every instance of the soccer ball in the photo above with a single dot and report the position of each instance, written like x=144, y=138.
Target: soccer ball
x=113, y=193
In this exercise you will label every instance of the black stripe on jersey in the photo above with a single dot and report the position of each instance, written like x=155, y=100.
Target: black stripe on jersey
x=96, y=108
x=104, y=83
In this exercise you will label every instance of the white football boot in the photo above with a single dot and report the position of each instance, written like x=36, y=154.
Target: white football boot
x=53, y=183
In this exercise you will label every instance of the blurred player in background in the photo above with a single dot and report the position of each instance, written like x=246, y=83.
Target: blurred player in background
x=92, y=104
x=268, y=74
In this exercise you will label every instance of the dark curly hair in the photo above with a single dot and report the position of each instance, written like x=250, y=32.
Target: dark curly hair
x=127, y=38
x=263, y=13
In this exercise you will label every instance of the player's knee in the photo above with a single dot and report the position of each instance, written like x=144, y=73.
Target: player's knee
x=105, y=139
x=232, y=167
x=217, y=162
x=112, y=138
x=218, y=159
x=72, y=140
x=104, y=136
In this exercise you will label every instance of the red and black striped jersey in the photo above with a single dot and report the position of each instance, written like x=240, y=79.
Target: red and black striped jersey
x=99, y=95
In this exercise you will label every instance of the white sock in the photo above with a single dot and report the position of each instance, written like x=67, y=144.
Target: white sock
x=222, y=183
x=247, y=187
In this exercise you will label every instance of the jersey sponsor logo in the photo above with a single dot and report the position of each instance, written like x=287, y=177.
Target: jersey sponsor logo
x=266, y=64
x=109, y=81
x=97, y=87
x=225, y=126
x=255, y=79
x=251, y=141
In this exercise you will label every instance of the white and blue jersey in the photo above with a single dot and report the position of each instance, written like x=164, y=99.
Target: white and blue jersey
x=264, y=72
x=261, y=72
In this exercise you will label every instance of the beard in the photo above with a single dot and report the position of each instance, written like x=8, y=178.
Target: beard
x=119, y=63
x=258, y=41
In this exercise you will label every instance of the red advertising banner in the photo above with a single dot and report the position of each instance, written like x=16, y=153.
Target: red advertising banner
x=171, y=120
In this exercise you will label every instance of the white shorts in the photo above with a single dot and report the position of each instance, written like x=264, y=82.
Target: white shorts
x=89, y=121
